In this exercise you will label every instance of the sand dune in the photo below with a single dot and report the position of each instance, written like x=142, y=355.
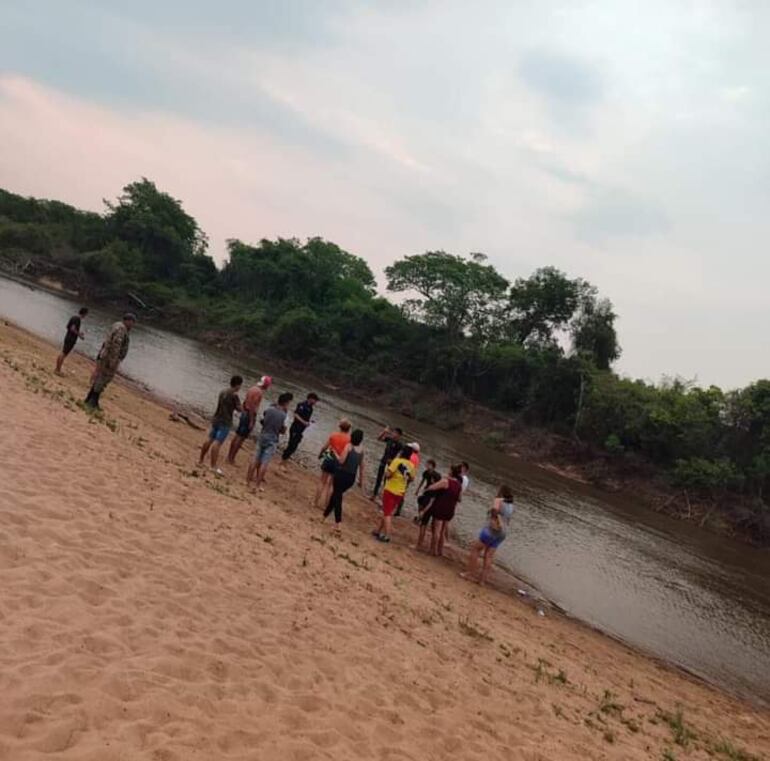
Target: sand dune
x=151, y=611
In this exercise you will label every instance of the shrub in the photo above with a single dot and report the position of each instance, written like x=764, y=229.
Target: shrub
x=297, y=333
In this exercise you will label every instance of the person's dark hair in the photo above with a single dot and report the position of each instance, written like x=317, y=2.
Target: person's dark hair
x=285, y=397
x=345, y=425
x=313, y=396
x=407, y=452
x=236, y=380
x=505, y=493
x=356, y=437
x=129, y=317
x=465, y=465
x=431, y=462
x=456, y=471
x=398, y=431
x=83, y=311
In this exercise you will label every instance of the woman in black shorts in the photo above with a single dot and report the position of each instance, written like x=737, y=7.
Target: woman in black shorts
x=350, y=464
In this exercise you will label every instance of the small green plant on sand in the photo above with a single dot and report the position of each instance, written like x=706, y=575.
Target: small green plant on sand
x=543, y=673
x=355, y=563
x=681, y=733
x=728, y=750
x=470, y=629
x=668, y=755
x=610, y=705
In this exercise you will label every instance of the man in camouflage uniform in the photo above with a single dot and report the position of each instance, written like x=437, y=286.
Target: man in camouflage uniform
x=113, y=352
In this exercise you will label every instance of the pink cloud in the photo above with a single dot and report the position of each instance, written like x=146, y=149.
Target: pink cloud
x=236, y=183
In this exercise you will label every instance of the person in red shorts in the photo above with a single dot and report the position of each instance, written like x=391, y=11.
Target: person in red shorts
x=398, y=475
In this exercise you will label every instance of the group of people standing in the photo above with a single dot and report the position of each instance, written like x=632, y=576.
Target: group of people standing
x=441, y=494
x=341, y=456
x=438, y=503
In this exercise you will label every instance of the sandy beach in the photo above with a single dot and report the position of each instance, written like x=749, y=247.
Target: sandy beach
x=149, y=610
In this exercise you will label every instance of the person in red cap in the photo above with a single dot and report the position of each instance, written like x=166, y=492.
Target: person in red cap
x=249, y=415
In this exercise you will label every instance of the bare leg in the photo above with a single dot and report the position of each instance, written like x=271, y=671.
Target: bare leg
x=262, y=472
x=205, y=448
x=322, y=488
x=421, y=536
x=215, y=447
x=327, y=492
x=253, y=465
x=235, y=446
x=441, y=538
x=489, y=555
x=471, y=572
x=387, y=522
x=436, y=542
x=59, y=362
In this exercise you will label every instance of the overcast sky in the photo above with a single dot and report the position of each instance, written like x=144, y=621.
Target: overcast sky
x=624, y=142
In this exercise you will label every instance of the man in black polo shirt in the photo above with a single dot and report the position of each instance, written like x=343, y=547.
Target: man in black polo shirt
x=71, y=337
x=299, y=425
x=392, y=439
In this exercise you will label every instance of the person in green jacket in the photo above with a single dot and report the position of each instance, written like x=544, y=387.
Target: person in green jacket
x=113, y=352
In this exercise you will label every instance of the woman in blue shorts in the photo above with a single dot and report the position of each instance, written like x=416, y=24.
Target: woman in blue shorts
x=491, y=536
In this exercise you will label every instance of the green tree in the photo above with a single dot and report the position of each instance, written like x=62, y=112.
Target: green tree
x=462, y=297
x=297, y=334
x=288, y=273
x=543, y=304
x=593, y=332
x=155, y=224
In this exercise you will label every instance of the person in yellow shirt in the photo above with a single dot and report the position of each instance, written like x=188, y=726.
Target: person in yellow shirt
x=398, y=475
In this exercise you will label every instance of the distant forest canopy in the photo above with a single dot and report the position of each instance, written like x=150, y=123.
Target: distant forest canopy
x=539, y=349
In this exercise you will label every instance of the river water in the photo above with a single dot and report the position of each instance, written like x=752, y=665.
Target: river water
x=689, y=597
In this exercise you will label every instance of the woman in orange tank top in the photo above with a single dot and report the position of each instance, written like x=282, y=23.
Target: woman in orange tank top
x=335, y=445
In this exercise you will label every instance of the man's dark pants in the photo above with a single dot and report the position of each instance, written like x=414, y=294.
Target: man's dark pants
x=295, y=437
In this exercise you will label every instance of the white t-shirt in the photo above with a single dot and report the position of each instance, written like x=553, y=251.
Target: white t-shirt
x=466, y=482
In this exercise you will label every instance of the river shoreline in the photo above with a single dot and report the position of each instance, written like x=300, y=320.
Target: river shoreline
x=630, y=479
x=183, y=587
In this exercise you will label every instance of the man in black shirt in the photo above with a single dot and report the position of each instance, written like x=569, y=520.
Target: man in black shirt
x=392, y=439
x=71, y=337
x=299, y=425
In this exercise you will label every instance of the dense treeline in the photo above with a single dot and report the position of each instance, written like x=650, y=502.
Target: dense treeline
x=539, y=348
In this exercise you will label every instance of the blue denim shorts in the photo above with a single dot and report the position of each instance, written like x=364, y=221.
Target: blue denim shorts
x=219, y=433
x=490, y=539
x=265, y=450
